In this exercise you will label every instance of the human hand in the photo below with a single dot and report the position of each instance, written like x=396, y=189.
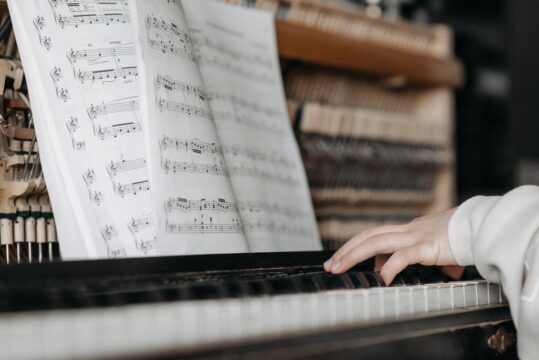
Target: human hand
x=421, y=241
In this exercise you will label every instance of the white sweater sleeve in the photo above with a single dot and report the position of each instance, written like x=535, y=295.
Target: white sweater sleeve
x=499, y=236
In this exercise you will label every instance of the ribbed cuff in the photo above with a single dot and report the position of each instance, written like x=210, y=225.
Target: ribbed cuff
x=461, y=227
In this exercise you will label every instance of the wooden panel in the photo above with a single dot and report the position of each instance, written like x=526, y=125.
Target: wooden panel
x=300, y=42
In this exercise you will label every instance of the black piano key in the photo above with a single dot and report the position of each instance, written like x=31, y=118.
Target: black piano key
x=334, y=282
x=258, y=288
x=307, y=284
x=283, y=286
x=410, y=277
x=359, y=280
x=207, y=291
x=374, y=279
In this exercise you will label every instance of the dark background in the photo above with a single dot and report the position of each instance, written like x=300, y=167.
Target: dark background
x=497, y=111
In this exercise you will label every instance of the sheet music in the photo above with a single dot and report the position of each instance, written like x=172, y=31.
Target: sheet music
x=87, y=72
x=236, y=52
x=194, y=205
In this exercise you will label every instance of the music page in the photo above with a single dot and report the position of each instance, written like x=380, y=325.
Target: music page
x=82, y=57
x=194, y=204
x=237, y=55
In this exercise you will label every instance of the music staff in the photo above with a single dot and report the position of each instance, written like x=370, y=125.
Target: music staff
x=258, y=207
x=171, y=84
x=248, y=121
x=168, y=47
x=275, y=228
x=116, y=130
x=253, y=171
x=195, y=146
x=185, y=205
x=241, y=102
x=108, y=74
x=232, y=66
x=234, y=227
x=132, y=188
x=95, y=54
x=235, y=55
x=174, y=167
x=168, y=27
x=183, y=108
x=113, y=107
x=125, y=165
x=279, y=161
x=88, y=12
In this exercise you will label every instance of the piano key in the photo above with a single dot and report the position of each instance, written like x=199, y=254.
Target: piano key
x=135, y=329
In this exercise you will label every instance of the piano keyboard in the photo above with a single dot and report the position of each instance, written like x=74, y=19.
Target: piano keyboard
x=170, y=306
x=175, y=326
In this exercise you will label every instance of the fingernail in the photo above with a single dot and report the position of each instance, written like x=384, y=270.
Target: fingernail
x=336, y=266
x=327, y=264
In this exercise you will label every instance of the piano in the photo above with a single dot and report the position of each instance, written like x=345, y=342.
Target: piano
x=236, y=306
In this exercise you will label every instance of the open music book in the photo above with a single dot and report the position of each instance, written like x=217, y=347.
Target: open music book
x=163, y=128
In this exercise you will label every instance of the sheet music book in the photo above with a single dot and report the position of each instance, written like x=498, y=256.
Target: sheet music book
x=164, y=126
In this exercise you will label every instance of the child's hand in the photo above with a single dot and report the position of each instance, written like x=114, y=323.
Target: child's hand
x=421, y=241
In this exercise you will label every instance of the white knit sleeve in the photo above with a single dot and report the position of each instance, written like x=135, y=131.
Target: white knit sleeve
x=498, y=235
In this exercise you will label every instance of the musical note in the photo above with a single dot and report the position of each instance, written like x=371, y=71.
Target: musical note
x=234, y=227
x=184, y=205
x=183, y=108
x=132, y=188
x=171, y=28
x=137, y=225
x=170, y=84
x=170, y=166
x=195, y=146
x=108, y=74
x=95, y=54
x=171, y=48
x=89, y=12
x=116, y=130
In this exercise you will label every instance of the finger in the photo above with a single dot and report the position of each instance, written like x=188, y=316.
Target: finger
x=385, y=243
x=401, y=259
x=453, y=271
x=358, y=239
x=380, y=260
